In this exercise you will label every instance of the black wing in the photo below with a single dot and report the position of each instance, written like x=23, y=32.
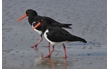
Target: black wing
x=57, y=34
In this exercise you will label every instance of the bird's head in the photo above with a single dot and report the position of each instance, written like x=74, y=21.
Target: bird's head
x=28, y=13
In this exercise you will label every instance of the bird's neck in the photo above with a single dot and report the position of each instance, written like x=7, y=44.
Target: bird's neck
x=30, y=19
x=44, y=26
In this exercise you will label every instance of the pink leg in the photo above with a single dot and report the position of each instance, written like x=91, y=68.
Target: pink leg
x=49, y=47
x=37, y=42
x=65, y=56
x=50, y=53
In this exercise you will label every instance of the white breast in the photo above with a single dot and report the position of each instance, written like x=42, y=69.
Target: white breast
x=45, y=35
x=40, y=32
x=53, y=43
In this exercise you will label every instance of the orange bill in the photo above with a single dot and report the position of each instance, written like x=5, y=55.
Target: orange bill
x=37, y=25
x=22, y=17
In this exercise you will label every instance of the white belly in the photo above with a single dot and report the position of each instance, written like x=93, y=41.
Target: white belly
x=40, y=32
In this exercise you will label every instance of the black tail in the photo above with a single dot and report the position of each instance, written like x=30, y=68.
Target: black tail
x=67, y=26
x=82, y=40
x=75, y=38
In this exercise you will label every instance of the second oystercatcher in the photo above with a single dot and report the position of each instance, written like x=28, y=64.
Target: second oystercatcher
x=56, y=35
x=34, y=18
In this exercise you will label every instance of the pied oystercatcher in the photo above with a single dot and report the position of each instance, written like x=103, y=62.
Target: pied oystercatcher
x=56, y=35
x=33, y=19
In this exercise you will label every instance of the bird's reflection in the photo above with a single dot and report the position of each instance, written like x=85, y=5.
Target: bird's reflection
x=51, y=63
x=65, y=63
x=54, y=64
x=46, y=63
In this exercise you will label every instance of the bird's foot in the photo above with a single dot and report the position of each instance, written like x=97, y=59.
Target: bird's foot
x=34, y=46
x=48, y=56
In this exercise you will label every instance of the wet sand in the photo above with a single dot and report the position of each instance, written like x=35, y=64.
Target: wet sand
x=89, y=19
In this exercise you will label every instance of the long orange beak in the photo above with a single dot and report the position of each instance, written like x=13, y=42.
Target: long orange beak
x=38, y=24
x=22, y=17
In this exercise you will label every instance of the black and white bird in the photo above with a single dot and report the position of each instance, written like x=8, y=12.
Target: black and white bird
x=56, y=35
x=33, y=17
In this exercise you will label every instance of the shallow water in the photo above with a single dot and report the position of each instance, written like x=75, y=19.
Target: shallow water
x=89, y=19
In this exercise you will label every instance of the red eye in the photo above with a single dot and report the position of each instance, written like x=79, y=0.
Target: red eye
x=27, y=12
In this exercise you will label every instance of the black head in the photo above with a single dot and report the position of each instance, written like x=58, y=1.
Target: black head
x=31, y=12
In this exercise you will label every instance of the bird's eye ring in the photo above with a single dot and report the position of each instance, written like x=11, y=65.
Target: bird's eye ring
x=27, y=11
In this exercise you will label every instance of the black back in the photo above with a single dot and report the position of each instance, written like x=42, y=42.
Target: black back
x=34, y=17
x=57, y=34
